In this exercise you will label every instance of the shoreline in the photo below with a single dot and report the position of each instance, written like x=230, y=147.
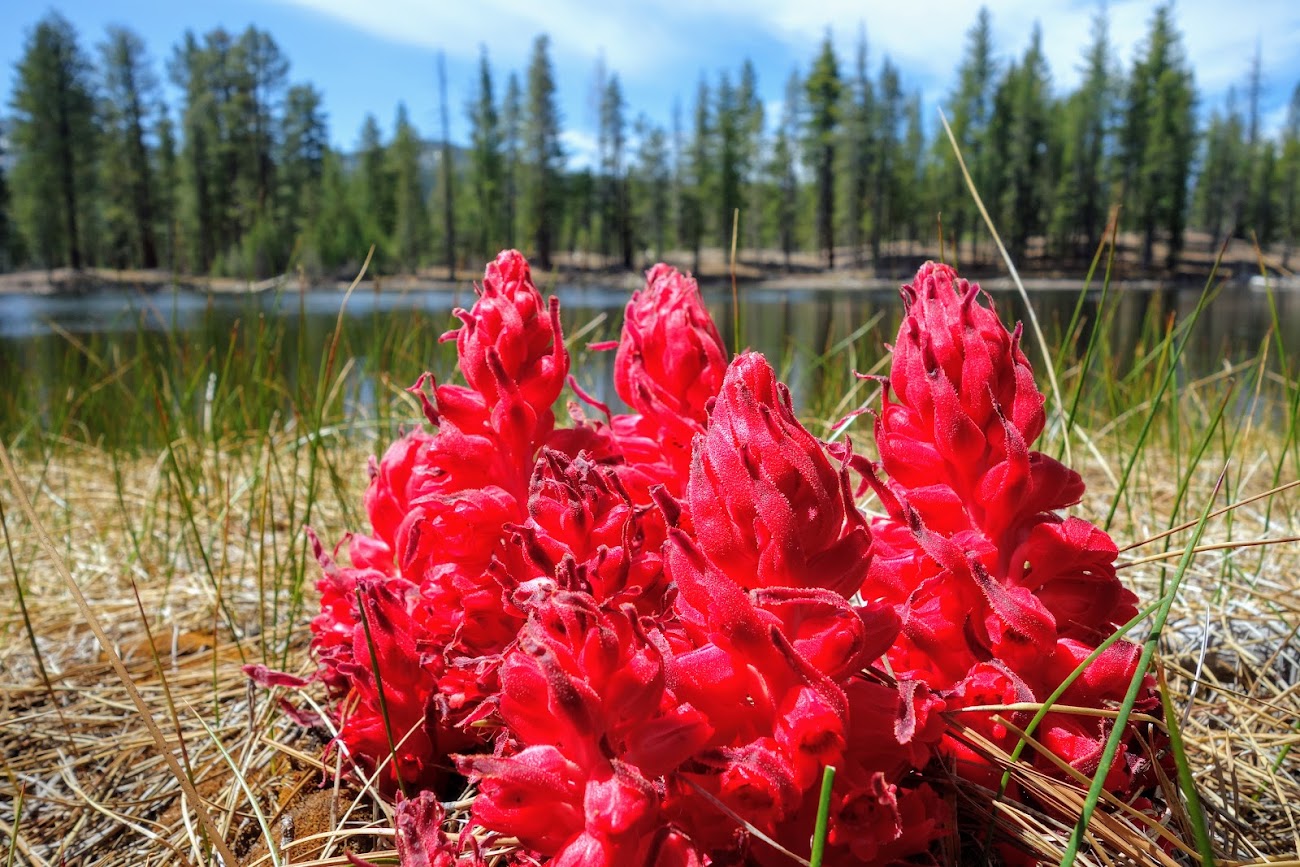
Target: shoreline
x=62, y=284
x=90, y=282
x=761, y=274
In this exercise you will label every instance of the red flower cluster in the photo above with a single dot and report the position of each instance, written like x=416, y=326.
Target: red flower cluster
x=644, y=636
x=999, y=596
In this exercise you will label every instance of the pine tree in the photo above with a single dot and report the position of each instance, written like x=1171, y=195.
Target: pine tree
x=167, y=173
x=1289, y=180
x=913, y=173
x=261, y=74
x=339, y=234
x=579, y=206
x=448, y=174
x=614, y=170
x=54, y=141
x=969, y=110
x=861, y=156
x=411, y=229
x=822, y=89
x=199, y=209
x=232, y=88
x=1261, y=202
x=512, y=126
x=1244, y=198
x=486, y=165
x=601, y=224
x=729, y=132
x=376, y=188
x=543, y=155
x=1222, y=174
x=750, y=155
x=1159, y=139
x=652, y=185
x=697, y=175
x=680, y=193
x=783, y=203
x=1262, y=216
x=304, y=141
x=130, y=94
x=1023, y=119
x=887, y=160
x=10, y=252
x=1082, y=191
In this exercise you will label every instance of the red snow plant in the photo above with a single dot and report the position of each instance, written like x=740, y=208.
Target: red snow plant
x=642, y=637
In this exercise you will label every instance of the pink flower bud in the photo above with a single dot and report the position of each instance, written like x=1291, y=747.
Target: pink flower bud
x=580, y=510
x=511, y=322
x=395, y=480
x=535, y=795
x=950, y=344
x=768, y=506
x=670, y=360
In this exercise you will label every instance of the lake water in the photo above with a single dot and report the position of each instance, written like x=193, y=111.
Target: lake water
x=52, y=347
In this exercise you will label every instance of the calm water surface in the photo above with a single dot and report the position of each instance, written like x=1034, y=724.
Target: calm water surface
x=49, y=344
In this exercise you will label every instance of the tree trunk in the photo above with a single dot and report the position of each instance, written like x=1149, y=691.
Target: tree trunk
x=68, y=174
x=1148, y=245
x=542, y=237
x=143, y=195
x=826, y=206
x=448, y=197
x=625, y=225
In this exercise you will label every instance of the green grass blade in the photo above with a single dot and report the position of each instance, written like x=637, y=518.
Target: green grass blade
x=1187, y=782
x=1135, y=685
x=17, y=824
x=822, y=828
x=1154, y=410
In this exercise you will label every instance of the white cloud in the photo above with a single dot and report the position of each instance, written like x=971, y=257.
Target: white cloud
x=580, y=149
x=577, y=29
x=929, y=37
x=666, y=43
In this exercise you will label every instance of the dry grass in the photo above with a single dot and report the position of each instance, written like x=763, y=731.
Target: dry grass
x=94, y=788
x=84, y=782
x=192, y=562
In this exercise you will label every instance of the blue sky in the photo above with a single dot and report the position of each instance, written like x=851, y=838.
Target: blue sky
x=368, y=56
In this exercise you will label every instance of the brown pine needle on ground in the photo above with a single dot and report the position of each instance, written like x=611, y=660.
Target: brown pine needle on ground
x=94, y=789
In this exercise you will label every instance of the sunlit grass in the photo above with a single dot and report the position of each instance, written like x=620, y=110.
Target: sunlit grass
x=187, y=476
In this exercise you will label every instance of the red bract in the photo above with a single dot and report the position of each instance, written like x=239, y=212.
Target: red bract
x=1072, y=571
x=453, y=533
x=421, y=842
x=636, y=629
x=582, y=677
x=585, y=533
x=671, y=359
x=770, y=670
x=769, y=508
x=512, y=336
x=390, y=722
x=990, y=583
x=880, y=823
x=394, y=482
x=535, y=794
x=585, y=693
x=670, y=363
x=750, y=681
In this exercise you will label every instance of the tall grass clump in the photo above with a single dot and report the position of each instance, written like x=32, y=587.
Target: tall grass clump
x=164, y=478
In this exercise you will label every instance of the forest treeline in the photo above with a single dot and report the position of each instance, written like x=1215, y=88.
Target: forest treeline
x=239, y=178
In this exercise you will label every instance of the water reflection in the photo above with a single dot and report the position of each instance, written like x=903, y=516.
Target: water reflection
x=50, y=347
